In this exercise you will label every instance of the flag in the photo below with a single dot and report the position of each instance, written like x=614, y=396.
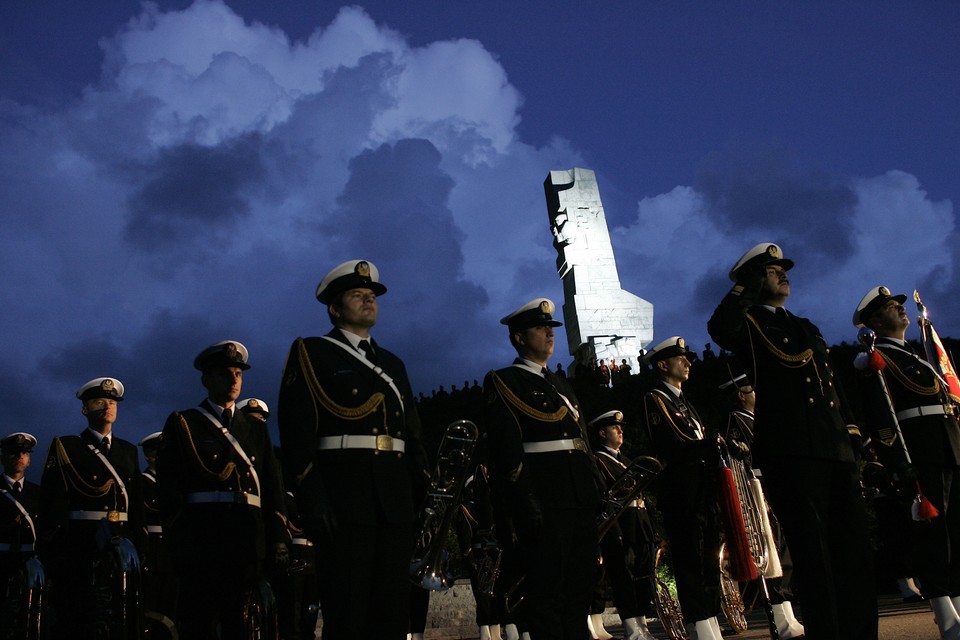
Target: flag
x=936, y=353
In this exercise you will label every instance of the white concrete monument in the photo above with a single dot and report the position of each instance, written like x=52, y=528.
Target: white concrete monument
x=601, y=319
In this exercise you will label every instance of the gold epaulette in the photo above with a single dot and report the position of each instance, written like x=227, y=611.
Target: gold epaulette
x=320, y=396
x=511, y=398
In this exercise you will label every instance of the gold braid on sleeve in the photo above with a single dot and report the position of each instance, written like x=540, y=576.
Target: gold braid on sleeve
x=523, y=407
x=73, y=477
x=316, y=391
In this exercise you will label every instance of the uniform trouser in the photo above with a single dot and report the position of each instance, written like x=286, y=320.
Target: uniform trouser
x=627, y=565
x=212, y=592
x=694, y=537
x=822, y=512
x=560, y=571
x=363, y=571
x=937, y=542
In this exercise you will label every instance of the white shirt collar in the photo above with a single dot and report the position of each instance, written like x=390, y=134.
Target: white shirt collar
x=354, y=339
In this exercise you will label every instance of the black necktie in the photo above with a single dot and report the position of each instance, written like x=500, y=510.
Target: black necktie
x=226, y=417
x=367, y=349
x=105, y=445
x=16, y=488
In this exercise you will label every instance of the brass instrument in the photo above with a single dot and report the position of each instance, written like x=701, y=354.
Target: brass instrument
x=260, y=612
x=429, y=566
x=22, y=608
x=668, y=608
x=486, y=554
x=625, y=490
x=116, y=589
x=753, y=507
x=731, y=600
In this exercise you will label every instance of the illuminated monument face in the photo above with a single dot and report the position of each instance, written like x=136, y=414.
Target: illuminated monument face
x=601, y=319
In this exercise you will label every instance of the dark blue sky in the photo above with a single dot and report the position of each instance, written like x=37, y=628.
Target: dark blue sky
x=160, y=159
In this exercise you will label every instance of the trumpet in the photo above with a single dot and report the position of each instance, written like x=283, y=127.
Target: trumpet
x=430, y=564
x=625, y=490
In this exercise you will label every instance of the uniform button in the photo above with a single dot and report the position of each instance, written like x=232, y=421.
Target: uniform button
x=830, y=384
x=564, y=434
x=376, y=452
x=810, y=400
x=399, y=434
x=808, y=379
x=374, y=431
x=396, y=413
x=214, y=456
x=354, y=392
x=253, y=458
x=94, y=477
x=786, y=340
x=399, y=454
x=248, y=474
x=831, y=403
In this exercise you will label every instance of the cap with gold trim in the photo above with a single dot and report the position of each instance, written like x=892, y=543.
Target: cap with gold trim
x=875, y=298
x=761, y=255
x=228, y=353
x=608, y=419
x=101, y=388
x=353, y=274
x=18, y=441
x=536, y=313
x=672, y=346
x=254, y=405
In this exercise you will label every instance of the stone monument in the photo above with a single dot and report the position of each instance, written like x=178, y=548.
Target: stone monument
x=602, y=320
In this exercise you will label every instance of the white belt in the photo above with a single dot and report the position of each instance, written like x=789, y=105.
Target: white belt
x=929, y=410
x=206, y=497
x=549, y=446
x=154, y=528
x=303, y=542
x=377, y=443
x=112, y=516
x=12, y=547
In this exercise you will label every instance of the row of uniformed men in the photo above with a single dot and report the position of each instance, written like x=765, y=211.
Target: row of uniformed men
x=351, y=445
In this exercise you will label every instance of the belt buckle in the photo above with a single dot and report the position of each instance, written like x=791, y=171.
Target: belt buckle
x=113, y=516
x=384, y=443
x=580, y=445
x=949, y=409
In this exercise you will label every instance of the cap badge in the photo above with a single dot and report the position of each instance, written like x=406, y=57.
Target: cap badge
x=545, y=306
x=231, y=351
x=363, y=269
x=253, y=404
x=681, y=343
x=884, y=291
x=774, y=251
x=107, y=385
x=618, y=416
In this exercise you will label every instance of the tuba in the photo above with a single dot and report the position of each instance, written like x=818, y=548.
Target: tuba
x=668, y=608
x=430, y=564
x=763, y=550
x=22, y=608
x=260, y=612
x=116, y=590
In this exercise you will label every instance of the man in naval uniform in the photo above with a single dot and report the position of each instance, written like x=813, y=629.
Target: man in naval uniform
x=627, y=549
x=88, y=478
x=919, y=403
x=806, y=444
x=350, y=440
x=543, y=476
x=158, y=580
x=19, y=515
x=687, y=488
x=221, y=500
